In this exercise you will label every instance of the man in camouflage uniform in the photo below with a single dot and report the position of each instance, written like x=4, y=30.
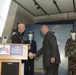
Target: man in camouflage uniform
x=70, y=51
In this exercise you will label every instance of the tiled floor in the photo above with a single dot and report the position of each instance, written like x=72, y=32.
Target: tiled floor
x=39, y=71
x=38, y=74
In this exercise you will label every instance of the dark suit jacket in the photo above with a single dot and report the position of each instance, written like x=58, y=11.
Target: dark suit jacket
x=49, y=49
x=33, y=46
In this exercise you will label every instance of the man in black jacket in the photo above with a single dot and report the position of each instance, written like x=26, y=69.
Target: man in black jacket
x=51, y=56
x=18, y=37
x=29, y=64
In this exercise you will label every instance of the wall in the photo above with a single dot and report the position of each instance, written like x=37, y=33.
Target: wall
x=56, y=17
x=23, y=16
x=10, y=19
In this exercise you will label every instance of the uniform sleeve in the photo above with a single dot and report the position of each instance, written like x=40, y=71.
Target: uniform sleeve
x=15, y=39
x=35, y=47
x=69, y=47
x=66, y=48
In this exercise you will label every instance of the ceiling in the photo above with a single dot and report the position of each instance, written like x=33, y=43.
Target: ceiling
x=47, y=7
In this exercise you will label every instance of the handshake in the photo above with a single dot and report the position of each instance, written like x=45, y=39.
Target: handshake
x=31, y=55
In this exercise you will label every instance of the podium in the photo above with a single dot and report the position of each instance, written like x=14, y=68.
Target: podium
x=11, y=56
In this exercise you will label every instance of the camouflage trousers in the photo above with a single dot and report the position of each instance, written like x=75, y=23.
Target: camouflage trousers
x=71, y=66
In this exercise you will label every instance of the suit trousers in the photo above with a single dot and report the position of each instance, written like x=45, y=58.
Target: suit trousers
x=29, y=67
x=52, y=69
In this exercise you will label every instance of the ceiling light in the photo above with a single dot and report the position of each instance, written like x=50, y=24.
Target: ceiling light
x=38, y=7
x=35, y=3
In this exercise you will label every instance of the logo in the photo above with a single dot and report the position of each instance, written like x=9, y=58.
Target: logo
x=4, y=50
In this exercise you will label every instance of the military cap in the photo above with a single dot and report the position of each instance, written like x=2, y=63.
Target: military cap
x=30, y=32
x=73, y=31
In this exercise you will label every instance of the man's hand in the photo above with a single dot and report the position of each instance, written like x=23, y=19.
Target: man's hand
x=31, y=55
x=34, y=55
x=52, y=60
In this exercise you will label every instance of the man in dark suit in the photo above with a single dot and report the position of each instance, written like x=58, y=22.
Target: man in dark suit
x=29, y=64
x=51, y=56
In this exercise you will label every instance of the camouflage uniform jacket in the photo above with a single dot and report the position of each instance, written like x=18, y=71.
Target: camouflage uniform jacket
x=70, y=48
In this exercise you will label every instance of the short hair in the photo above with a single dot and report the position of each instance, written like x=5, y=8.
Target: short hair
x=19, y=23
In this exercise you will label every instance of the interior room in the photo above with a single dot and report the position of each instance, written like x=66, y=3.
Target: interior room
x=58, y=15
